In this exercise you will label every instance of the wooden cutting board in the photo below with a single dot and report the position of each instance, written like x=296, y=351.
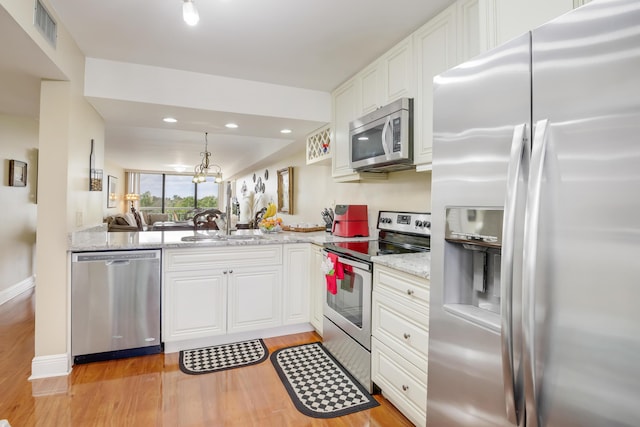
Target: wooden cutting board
x=302, y=230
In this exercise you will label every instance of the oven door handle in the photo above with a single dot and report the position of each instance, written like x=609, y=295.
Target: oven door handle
x=355, y=264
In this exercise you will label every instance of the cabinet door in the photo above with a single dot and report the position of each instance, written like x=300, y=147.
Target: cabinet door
x=295, y=268
x=371, y=83
x=470, y=41
x=515, y=17
x=255, y=295
x=346, y=107
x=397, y=72
x=435, y=52
x=195, y=304
x=318, y=287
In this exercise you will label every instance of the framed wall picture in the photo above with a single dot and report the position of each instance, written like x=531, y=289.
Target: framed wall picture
x=285, y=190
x=17, y=173
x=111, y=191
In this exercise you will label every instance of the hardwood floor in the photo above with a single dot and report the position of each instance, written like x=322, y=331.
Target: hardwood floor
x=151, y=390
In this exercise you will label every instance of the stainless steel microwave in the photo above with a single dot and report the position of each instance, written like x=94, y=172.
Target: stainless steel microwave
x=383, y=139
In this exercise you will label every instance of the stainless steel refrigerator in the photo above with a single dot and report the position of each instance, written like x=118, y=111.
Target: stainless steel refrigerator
x=535, y=275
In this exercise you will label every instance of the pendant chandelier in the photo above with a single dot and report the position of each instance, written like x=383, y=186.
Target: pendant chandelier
x=204, y=169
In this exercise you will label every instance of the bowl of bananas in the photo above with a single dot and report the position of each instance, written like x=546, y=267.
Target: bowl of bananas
x=270, y=223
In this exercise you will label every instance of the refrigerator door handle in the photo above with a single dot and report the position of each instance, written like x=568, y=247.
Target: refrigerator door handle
x=532, y=223
x=518, y=147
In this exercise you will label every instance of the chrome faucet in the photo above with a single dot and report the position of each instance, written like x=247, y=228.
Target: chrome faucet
x=227, y=219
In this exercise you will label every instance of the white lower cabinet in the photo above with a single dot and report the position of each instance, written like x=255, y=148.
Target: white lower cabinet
x=296, y=282
x=215, y=291
x=255, y=295
x=400, y=344
x=198, y=304
x=401, y=383
x=211, y=292
x=317, y=288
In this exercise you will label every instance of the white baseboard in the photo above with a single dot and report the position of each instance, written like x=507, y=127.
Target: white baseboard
x=15, y=290
x=54, y=365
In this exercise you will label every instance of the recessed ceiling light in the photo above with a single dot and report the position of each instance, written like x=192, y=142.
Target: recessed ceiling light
x=169, y=120
x=231, y=125
x=285, y=131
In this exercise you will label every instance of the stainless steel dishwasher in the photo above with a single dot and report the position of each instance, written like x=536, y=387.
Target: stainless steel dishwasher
x=115, y=304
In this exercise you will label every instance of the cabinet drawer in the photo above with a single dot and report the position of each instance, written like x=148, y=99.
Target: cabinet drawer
x=401, y=383
x=403, y=329
x=227, y=256
x=406, y=287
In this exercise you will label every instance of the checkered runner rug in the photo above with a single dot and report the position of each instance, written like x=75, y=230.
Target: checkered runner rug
x=317, y=384
x=220, y=357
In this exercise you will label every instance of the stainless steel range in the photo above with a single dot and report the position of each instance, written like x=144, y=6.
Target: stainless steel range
x=347, y=304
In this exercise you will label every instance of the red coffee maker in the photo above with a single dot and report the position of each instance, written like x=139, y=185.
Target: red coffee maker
x=350, y=221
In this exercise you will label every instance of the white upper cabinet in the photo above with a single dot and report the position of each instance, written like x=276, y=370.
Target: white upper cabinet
x=371, y=85
x=435, y=47
x=470, y=41
x=346, y=107
x=503, y=20
x=398, y=78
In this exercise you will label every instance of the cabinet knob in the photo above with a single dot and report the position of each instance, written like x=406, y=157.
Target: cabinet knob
x=405, y=387
x=224, y=272
x=406, y=336
x=409, y=291
x=230, y=271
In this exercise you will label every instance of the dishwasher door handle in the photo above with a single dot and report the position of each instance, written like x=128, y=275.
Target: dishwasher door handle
x=118, y=262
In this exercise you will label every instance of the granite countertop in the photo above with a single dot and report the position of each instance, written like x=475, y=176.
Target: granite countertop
x=100, y=240
x=418, y=264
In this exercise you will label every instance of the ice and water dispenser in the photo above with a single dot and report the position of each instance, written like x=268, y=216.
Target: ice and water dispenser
x=472, y=258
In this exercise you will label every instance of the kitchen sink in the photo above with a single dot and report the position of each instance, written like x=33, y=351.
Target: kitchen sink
x=203, y=238
x=221, y=237
x=243, y=237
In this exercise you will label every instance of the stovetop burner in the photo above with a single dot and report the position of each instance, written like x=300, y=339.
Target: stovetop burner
x=398, y=233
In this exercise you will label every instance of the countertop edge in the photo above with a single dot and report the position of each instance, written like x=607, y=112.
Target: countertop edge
x=417, y=264
x=100, y=240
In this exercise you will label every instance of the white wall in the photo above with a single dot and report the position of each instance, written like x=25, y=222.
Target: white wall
x=18, y=141
x=314, y=189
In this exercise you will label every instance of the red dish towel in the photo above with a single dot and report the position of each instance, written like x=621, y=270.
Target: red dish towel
x=332, y=285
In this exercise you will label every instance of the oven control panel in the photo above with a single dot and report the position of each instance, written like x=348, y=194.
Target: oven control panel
x=405, y=222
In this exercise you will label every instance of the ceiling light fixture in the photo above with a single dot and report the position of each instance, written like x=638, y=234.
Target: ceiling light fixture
x=285, y=131
x=201, y=171
x=231, y=125
x=190, y=13
x=169, y=120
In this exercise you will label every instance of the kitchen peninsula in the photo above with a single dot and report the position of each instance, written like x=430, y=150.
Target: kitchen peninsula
x=221, y=289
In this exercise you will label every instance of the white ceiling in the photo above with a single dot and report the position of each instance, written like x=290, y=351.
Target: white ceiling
x=310, y=44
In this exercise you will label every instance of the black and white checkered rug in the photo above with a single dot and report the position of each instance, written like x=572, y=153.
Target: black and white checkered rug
x=220, y=357
x=317, y=384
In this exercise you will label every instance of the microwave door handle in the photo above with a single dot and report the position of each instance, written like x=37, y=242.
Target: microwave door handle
x=385, y=129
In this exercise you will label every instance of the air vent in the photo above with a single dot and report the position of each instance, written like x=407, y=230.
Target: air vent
x=45, y=23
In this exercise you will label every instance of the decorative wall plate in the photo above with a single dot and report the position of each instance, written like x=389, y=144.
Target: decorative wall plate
x=266, y=174
x=254, y=177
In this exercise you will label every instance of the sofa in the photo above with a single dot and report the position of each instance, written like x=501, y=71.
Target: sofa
x=123, y=222
x=141, y=221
